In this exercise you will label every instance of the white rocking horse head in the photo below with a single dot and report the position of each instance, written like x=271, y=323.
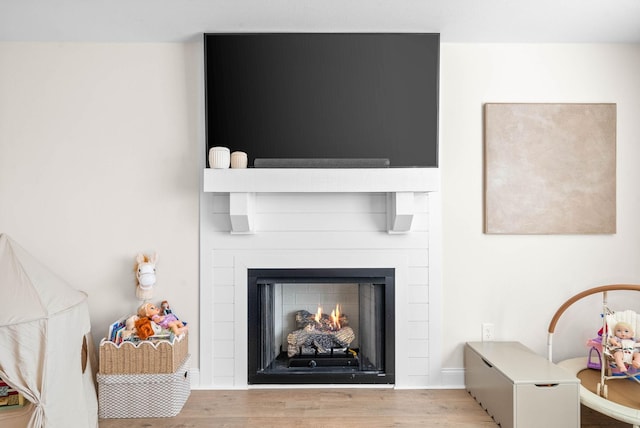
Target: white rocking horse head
x=146, y=275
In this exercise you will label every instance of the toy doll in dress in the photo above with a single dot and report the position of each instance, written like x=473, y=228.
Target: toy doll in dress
x=624, y=346
x=166, y=310
x=169, y=321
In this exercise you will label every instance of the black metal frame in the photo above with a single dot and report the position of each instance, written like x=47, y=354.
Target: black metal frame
x=320, y=375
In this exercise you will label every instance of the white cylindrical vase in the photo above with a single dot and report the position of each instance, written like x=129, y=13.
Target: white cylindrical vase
x=238, y=160
x=219, y=157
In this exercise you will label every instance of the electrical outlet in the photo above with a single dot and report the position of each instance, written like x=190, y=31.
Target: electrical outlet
x=488, y=333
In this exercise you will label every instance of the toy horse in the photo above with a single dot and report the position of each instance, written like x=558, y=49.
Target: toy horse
x=146, y=275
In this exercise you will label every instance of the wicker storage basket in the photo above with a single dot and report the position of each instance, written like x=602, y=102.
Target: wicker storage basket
x=143, y=395
x=143, y=357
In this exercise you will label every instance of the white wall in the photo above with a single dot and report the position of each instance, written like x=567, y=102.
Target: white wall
x=99, y=161
x=517, y=282
x=101, y=153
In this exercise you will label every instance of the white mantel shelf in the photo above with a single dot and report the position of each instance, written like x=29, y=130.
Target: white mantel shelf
x=400, y=185
x=302, y=180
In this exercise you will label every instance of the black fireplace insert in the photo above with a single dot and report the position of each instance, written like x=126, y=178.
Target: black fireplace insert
x=291, y=343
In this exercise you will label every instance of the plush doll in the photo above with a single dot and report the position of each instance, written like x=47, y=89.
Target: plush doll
x=170, y=322
x=144, y=328
x=145, y=269
x=624, y=346
x=130, y=327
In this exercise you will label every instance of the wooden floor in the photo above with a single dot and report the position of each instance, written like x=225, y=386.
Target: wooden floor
x=319, y=408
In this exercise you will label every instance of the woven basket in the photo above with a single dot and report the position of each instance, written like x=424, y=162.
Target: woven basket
x=143, y=357
x=143, y=395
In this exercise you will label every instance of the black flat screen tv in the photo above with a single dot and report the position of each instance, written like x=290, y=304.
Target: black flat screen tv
x=324, y=95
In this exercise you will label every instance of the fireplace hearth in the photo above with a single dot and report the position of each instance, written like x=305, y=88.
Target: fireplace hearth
x=290, y=340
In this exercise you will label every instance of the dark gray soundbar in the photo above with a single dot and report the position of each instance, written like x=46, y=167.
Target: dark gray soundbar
x=320, y=163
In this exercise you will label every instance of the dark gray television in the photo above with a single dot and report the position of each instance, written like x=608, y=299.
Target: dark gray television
x=324, y=95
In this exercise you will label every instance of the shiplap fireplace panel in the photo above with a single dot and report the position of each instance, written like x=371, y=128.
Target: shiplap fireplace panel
x=294, y=229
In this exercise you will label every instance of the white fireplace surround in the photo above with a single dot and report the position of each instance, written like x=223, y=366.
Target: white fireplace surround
x=319, y=218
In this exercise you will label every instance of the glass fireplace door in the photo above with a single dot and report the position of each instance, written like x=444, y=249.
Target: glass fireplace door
x=321, y=326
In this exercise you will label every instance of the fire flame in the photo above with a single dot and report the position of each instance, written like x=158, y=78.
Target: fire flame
x=319, y=314
x=334, y=317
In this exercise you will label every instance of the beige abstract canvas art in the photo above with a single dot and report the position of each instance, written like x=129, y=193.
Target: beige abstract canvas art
x=550, y=168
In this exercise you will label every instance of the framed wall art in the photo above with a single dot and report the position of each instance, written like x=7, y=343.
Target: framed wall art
x=549, y=168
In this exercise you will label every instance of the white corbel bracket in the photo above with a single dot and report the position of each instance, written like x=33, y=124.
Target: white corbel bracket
x=242, y=209
x=400, y=211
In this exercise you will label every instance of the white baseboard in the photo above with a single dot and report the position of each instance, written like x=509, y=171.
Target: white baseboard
x=452, y=379
x=195, y=378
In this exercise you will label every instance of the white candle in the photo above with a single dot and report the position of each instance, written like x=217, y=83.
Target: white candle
x=238, y=160
x=219, y=157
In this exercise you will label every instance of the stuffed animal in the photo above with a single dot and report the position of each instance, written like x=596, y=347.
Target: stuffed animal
x=170, y=322
x=130, y=327
x=145, y=269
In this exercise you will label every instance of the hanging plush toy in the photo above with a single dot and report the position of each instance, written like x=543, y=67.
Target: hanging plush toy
x=146, y=275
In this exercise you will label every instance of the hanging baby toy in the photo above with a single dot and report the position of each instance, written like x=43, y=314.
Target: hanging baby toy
x=146, y=275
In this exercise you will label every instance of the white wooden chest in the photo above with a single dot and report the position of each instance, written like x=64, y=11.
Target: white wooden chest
x=519, y=388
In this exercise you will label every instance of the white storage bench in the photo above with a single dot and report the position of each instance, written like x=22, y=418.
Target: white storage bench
x=519, y=388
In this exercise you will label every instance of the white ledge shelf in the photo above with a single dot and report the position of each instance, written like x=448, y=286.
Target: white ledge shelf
x=400, y=185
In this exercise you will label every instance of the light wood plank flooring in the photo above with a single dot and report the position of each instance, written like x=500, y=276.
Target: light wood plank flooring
x=319, y=408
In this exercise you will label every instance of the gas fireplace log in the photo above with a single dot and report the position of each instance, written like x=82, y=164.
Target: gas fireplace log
x=321, y=341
